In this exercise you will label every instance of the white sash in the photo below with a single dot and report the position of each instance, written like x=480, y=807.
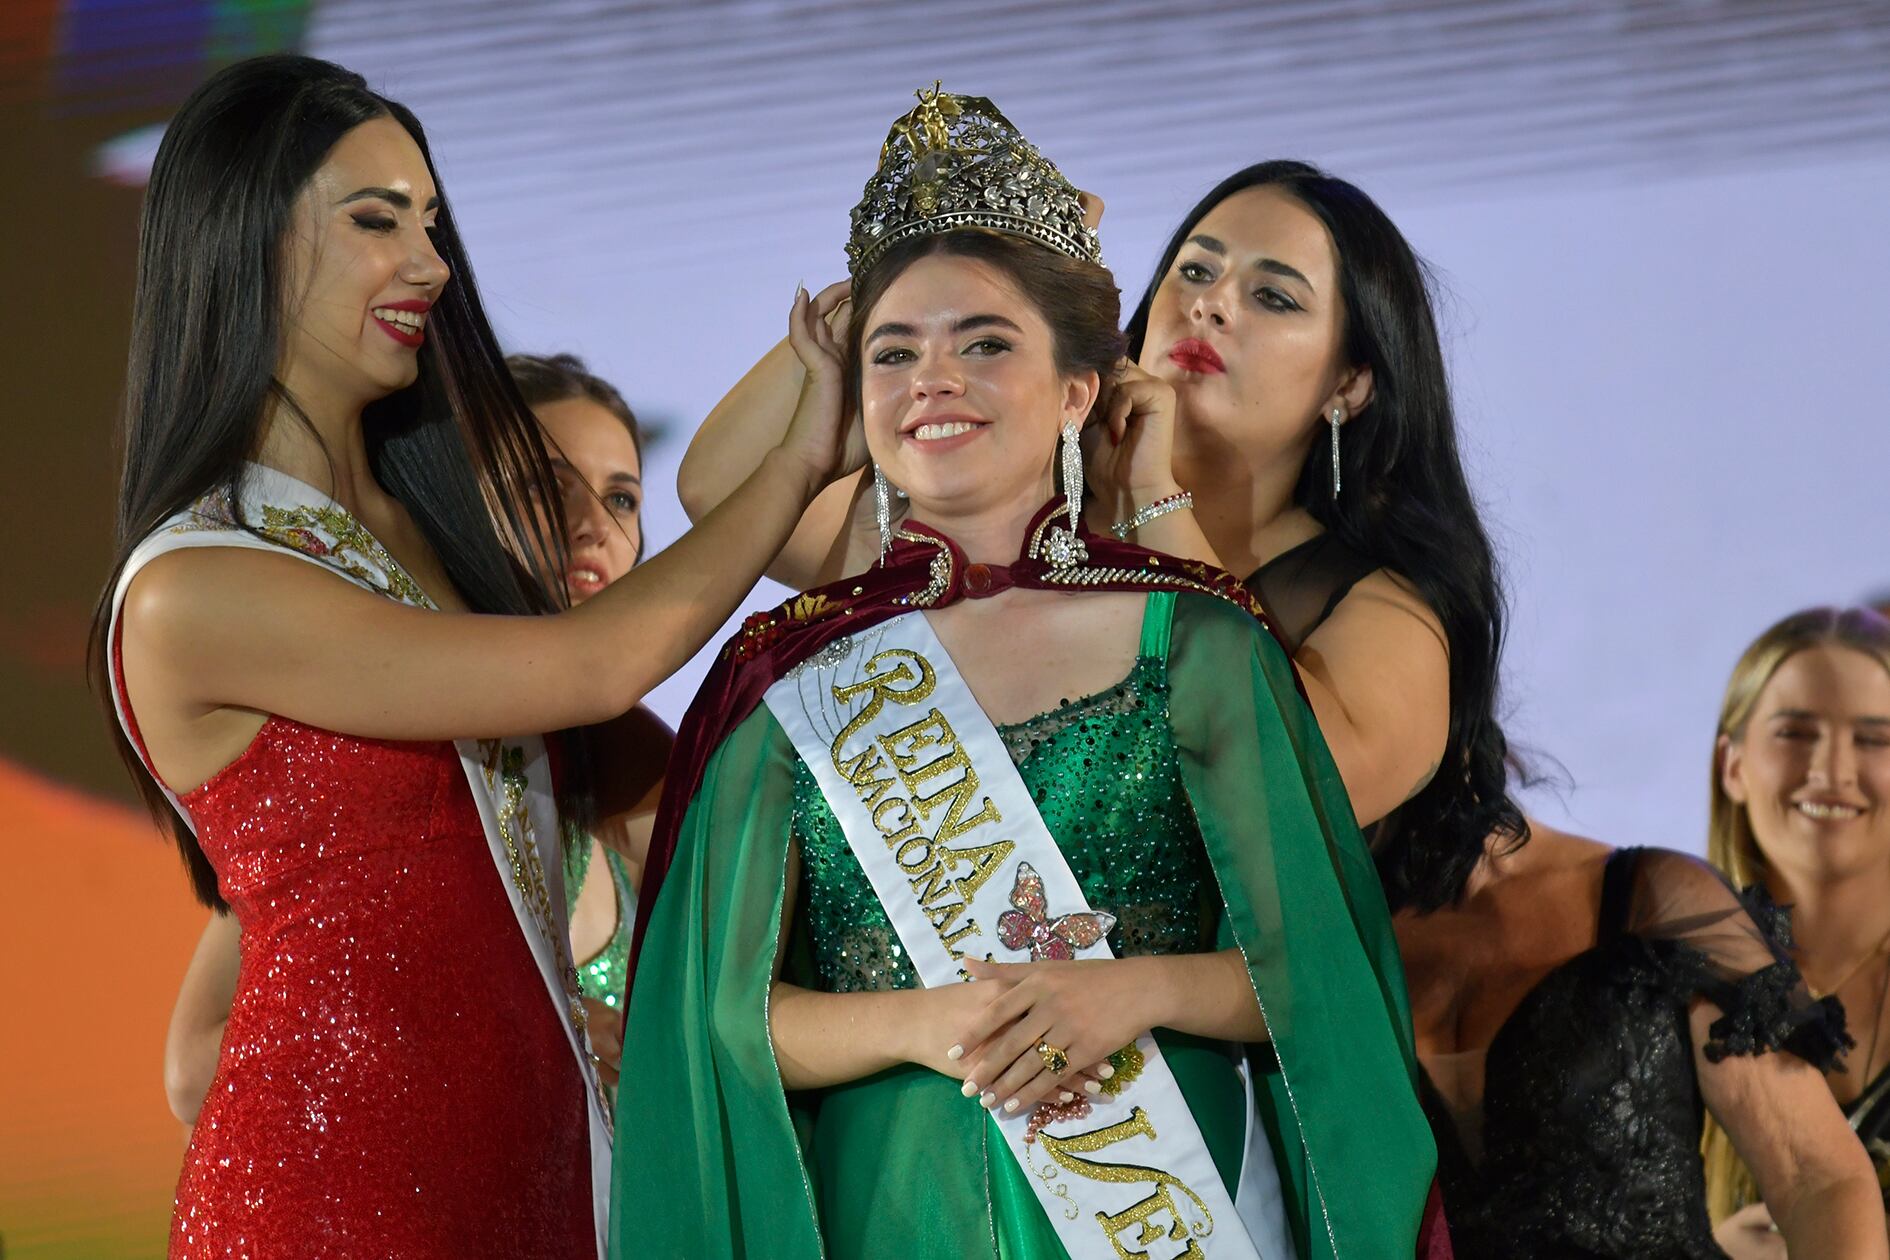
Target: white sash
x=923, y=786
x=510, y=778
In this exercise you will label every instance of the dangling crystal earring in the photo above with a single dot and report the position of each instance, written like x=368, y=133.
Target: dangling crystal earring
x=1073, y=471
x=882, y=511
x=1337, y=418
x=1066, y=547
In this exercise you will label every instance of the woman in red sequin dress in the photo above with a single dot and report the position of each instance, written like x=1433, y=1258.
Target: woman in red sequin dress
x=315, y=640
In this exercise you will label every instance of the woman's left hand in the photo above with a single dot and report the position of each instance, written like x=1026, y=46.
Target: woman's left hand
x=1088, y=1009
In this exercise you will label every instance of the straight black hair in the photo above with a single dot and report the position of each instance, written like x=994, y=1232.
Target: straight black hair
x=458, y=448
x=1406, y=505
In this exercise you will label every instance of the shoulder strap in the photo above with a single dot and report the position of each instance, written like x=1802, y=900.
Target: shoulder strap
x=1158, y=625
x=1617, y=891
x=1305, y=584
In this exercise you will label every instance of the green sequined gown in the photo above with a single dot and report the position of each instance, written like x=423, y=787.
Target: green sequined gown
x=1104, y=774
x=1195, y=802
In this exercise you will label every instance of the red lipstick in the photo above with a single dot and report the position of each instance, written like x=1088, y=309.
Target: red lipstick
x=406, y=336
x=1195, y=355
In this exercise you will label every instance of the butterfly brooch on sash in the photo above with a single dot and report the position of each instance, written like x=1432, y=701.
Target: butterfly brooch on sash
x=1030, y=926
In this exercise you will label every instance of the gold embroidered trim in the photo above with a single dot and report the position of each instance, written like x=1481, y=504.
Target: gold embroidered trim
x=330, y=534
x=941, y=570
x=503, y=767
x=1157, y=579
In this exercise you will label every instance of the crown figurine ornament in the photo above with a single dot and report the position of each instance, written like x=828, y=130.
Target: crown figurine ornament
x=956, y=162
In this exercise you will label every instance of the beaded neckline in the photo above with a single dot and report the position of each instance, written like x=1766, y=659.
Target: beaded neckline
x=1022, y=739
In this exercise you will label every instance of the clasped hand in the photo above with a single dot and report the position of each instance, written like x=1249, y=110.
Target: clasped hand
x=1088, y=1009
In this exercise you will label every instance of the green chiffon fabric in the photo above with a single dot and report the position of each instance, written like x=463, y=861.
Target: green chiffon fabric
x=715, y=1159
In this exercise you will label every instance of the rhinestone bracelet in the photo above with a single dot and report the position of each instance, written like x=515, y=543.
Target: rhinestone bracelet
x=1143, y=515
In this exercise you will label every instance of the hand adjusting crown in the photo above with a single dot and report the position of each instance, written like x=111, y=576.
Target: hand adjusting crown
x=956, y=162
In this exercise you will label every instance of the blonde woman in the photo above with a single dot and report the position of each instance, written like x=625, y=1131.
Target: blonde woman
x=1801, y=819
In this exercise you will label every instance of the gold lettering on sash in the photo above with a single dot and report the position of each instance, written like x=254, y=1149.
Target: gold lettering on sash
x=897, y=831
x=914, y=855
x=914, y=670
x=914, y=757
x=905, y=744
x=1139, y=1217
x=930, y=884
x=984, y=859
x=951, y=939
x=862, y=772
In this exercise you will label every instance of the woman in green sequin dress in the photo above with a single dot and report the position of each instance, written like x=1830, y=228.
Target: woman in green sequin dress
x=597, y=455
x=1106, y=775
x=822, y=1102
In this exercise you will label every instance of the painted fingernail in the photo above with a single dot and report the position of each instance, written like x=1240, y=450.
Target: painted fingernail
x=988, y=1098
x=1093, y=1087
x=1011, y=1106
x=1066, y=1096
x=955, y=1053
x=1105, y=1071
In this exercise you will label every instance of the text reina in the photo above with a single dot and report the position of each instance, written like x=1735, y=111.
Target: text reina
x=903, y=776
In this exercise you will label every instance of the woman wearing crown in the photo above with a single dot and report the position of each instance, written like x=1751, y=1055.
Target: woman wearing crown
x=911, y=887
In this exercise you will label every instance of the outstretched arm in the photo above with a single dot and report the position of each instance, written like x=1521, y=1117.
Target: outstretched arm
x=211, y=629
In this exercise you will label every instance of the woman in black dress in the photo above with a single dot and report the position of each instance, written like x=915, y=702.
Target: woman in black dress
x=1578, y=1010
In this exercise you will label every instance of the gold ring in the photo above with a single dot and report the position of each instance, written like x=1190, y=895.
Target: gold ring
x=1053, y=1058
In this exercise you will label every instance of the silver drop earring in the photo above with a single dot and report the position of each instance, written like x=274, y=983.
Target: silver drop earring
x=882, y=511
x=1337, y=418
x=1066, y=547
x=1073, y=471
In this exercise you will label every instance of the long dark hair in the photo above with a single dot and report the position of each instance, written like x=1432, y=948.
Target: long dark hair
x=458, y=448
x=1407, y=506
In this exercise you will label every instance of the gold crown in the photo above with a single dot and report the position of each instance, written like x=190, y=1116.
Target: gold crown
x=956, y=162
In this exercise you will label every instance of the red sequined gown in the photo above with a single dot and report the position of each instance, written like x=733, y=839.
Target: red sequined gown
x=394, y=1080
